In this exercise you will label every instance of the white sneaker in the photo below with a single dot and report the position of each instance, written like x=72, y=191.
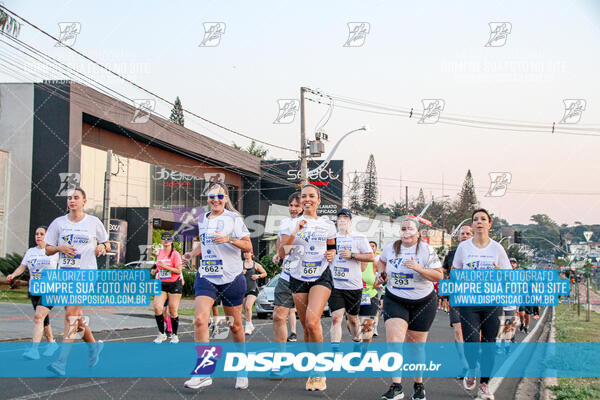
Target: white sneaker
x=161, y=337
x=241, y=382
x=249, y=328
x=32, y=354
x=50, y=349
x=174, y=339
x=484, y=392
x=58, y=367
x=197, y=382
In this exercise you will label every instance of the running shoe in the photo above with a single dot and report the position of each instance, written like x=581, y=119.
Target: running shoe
x=394, y=393
x=521, y=327
x=32, y=354
x=174, y=339
x=58, y=367
x=419, y=392
x=292, y=337
x=249, y=328
x=319, y=383
x=526, y=329
x=197, y=382
x=169, y=334
x=484, y=392
x=469, y=382
x=241, y=382
x=95, y=353
x=161, y=337
x=50, y=349
x=310, y=383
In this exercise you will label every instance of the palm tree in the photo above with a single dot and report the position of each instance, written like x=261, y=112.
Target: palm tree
x=8, y=24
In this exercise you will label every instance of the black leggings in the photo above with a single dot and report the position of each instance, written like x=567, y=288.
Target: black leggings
x=474, y=320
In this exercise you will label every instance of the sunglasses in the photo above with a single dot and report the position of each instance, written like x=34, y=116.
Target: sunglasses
x=219, y=196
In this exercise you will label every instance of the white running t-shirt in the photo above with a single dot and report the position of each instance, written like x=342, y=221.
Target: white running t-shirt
x=469, y=256
x=221, y=263
x=36, y=260
x=83, y=236
x=307, y=256
x=403, y=281
x=347, y=274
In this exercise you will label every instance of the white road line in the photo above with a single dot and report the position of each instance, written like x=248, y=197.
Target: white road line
x=496, y=382
x=64, y=389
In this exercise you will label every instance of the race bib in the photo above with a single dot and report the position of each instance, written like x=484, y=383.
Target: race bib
x=365, y=299
x=341, y=273
x=36, y=274
x=212, y=268
x=402, y=281
x=311, y=269
x=164, y=274
x=67, y=262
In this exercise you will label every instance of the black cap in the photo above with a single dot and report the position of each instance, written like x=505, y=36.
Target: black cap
x=167, y=236
x=346, y=212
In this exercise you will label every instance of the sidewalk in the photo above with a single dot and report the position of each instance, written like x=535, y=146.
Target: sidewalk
x=16, y=319
x=594, y=297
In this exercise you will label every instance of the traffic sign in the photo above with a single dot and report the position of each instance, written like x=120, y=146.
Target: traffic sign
x=588, y=235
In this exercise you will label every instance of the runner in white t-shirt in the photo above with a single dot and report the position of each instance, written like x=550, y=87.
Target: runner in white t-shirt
x=78, y=238
x=283, y=298
x=410, y=266
x=310, y=243
x=480, y=323
x=353, y=254
x=223, y=237
x=36, y=260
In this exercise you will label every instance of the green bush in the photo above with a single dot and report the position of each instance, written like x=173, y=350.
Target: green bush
x=11, y=262
x=188, y=283
x=269, y=266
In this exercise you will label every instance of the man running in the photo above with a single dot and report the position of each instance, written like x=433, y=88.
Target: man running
x=466, y=232
x=353, y=252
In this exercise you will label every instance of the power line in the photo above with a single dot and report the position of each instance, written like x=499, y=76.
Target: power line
x=146, y=90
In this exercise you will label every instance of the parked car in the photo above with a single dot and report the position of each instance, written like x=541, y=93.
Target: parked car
x=266, y=297
x=141, y=264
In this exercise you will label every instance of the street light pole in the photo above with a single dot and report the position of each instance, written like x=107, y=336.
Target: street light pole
x=303, y=160
x=429, y=204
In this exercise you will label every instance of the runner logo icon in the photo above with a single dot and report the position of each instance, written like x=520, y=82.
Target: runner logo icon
x=207, y=359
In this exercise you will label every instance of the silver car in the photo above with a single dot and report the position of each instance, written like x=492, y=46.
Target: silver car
x=266, y=298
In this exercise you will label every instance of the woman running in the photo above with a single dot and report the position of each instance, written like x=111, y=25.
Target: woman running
x=169, y=270
x=311, y=241
x=223, y=237
x=410, y=305
x=480, y=323
x=78, y=238
x=252, y=271
x=36, y=261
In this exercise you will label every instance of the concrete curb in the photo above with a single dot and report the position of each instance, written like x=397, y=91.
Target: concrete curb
x=548, y=394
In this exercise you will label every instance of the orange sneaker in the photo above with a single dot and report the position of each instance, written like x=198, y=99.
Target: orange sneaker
x=319, y=383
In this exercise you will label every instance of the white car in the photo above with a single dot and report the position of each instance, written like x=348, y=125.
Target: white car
x=266, y=298
x=141, y=264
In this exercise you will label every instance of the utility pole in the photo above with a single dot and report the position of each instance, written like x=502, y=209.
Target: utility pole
x=106, y=205
x=303, y=159
x=406, y=198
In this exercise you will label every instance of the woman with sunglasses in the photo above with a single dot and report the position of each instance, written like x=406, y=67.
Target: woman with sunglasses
x=168, y=270
x=223, y=237
x=309, y=242
x=480, y=323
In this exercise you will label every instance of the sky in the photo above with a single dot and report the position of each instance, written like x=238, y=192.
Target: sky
x=413, y=51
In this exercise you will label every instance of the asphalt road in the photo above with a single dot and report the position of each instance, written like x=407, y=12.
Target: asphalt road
x=259, y=389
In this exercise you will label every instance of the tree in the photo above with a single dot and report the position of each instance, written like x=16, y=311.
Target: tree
x=370, y=185
x=9, y=25
x=421, y=199
x=177, y=112
x=355, y=185
x=466, y=202
x=254, y=149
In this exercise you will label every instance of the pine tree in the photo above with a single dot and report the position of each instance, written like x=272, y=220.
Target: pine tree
x=421, y=198
x=467, y=200
x=355, y=185
x=370, y=185
x=177, y=112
